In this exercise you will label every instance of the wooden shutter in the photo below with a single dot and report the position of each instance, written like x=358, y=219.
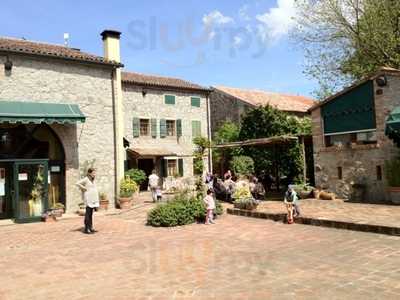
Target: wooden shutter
x=169, y=99
x=179, y=127
x=180, y=167
x=154, y=128
x=163, y=128
x=196, y=129
x=136, y=127
x=163, y=168
x=195, y=101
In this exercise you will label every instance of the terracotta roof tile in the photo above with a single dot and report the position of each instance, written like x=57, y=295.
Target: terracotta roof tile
x=160, y=81
x=43, y=49
x=290, y=103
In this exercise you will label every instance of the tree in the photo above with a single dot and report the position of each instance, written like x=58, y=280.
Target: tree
x=201, y=144
x=227, y=132
x=263, y=122
x=346, y=39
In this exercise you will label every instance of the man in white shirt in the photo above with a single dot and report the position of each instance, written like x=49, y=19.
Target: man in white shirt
x=153, y=184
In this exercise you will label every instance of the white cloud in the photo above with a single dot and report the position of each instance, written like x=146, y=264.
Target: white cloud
x=243, y=14
x=277, y=22
x=214, y=20
x=237, y=41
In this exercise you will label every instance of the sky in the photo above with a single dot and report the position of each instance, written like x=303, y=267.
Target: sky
x=241, y=43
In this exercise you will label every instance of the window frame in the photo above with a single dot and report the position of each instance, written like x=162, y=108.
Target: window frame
x=193, y=98
x=174, y=127
x=148, y=127
x=169, y=95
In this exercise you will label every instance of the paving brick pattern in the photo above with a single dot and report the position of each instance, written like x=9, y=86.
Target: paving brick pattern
x=373, y=214
x=238, y=258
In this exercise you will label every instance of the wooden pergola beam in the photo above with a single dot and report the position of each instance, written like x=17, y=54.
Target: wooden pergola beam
x=276, y=140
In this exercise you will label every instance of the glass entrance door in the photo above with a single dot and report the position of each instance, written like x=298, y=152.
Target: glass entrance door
x=5, y=192
x=31, y=189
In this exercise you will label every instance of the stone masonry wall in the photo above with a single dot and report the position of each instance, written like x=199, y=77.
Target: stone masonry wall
x=368, y=157
x=152, y=106
x=89, y=86
x=224, y=108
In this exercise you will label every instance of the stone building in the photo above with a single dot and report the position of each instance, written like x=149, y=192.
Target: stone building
x=162, y=116
x=350, y=145
x=57, y=108
x=228, y=104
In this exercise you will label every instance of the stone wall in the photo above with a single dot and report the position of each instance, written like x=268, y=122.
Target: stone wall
x=89, y=86
x=152, y=106
x=367, y=157
x=224, y=108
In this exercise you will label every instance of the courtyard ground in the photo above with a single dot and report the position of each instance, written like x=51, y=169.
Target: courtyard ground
x=238, y=258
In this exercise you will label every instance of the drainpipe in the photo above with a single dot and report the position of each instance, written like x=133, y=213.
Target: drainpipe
x=210, y=166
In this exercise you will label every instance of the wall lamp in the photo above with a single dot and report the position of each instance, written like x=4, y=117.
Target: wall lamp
x=8, y=64
x=381, y=81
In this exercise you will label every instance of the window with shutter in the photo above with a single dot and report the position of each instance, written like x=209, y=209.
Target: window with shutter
x=154, y=128
x=179, y=127
x=163, y=128
x=196, y=128
x=180, y=167
x=136, y=127
x=169, y=99
x=195, y=101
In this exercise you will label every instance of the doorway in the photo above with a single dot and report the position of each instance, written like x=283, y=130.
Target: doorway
x=32, y=170
x=23, y=189
x=147, y=166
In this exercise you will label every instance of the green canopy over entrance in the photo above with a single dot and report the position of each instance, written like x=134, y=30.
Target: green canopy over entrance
x=392, y=129
x=33, y=112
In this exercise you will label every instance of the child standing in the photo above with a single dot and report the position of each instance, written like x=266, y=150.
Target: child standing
x=159, y=194
x=291, y=204
x=210, y=205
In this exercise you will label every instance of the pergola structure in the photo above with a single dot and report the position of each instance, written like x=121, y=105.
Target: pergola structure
x=271, y=142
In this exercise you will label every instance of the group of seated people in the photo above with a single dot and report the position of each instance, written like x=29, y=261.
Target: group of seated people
x=225, y=189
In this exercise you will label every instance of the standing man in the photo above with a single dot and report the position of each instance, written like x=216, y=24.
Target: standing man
x=90, y=197
x=153, y=185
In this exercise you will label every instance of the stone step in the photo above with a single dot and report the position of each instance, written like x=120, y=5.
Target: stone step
x=281, y=217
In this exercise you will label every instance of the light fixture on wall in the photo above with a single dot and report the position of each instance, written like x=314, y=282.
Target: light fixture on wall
x=8, y=64
x=381, y=80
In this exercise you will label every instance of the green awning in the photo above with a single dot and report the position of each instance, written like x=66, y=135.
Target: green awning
x=392, y=128
x=33, y=112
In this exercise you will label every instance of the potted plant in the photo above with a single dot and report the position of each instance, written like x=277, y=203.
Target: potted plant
x=58, y=209
x=103, y=201
x=82, y=209
x=127, y=188
x=49, y=217
x=392, y=172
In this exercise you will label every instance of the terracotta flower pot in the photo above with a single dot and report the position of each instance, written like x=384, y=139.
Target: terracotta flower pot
x=125, y=203
x=58, y=212
x=394, y=193
x=49, y=219
x=104, y=204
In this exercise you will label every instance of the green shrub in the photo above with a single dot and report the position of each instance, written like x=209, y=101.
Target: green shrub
x=137, y=175
x=183, y=209
x=392, y=172
x=242, y=165
x=246, y=203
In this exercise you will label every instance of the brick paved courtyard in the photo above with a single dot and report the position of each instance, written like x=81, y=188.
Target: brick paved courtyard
x=238, y=258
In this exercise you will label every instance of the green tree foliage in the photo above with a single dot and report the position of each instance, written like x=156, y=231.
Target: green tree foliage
x=344, y=40
x=201, y=144
x=227, y=132
x=282, y=160
x=242, y=165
